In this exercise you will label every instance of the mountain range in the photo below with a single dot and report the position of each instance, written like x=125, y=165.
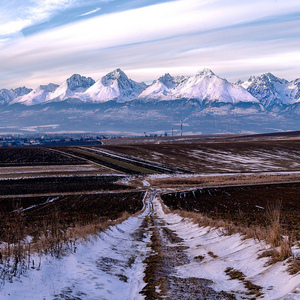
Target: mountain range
x=266, y=89
x=205, y=102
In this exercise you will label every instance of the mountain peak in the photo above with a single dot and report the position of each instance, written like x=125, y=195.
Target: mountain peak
x=78, y=81
x=205, y=72
x=167, y=80
x=117, y=74
x=21, y=91
x=51, y=87
x=166, y=76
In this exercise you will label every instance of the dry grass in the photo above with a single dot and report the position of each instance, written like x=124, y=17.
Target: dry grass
x=56, y=232
x=199, y=257
x=294, y=267
x=210, y=253
x=184, y=183
x=253, y=289
x=17, y=257
x=273, y=216
x=154, y=263
x=281, y=248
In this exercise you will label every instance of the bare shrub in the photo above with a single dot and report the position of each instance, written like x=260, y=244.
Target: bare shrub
x=273, y=212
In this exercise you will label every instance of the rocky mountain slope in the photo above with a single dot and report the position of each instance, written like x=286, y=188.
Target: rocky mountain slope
x=270, y=90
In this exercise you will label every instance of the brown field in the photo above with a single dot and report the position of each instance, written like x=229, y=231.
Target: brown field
x=220, y=157
x=243, y=205
x=193, y=182
x=50, y=197
x=54, y=170
x=35, y=216
x=36, y=156
x=52, y=185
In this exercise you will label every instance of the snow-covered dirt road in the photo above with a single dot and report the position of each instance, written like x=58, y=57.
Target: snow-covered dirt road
x=156, y=255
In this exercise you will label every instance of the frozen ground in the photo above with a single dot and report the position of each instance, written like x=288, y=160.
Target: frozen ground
x=108, y=266
x=113, y=264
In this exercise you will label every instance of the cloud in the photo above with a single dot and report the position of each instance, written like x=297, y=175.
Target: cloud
x=90, y=12
x=177, y=37
x=17, y=15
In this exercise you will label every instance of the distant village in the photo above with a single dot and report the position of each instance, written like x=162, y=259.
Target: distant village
x=64, y=139
x=51, y=140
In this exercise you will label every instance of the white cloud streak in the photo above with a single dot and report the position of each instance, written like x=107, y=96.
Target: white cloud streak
x=178, y=36
x=90, y=12
x=18, y=15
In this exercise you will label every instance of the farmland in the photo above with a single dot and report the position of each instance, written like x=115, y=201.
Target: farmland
x=243, y=205
x=33, y=216
x=59, y=185
x=35, y=157
x=221, y=157
x=156, y=220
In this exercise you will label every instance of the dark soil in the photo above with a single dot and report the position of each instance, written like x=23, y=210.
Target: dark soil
x=103, y=160
x=35, y=156
x=180, y=155
x=156, y=167
x=59, y=185
x=245, y=205
x=63, y=212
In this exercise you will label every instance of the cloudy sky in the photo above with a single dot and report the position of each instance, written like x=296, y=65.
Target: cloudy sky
x=44, y=41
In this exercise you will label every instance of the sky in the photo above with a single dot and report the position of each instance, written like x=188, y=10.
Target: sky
x=43, y=41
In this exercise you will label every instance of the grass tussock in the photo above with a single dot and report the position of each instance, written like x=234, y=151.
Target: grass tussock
x=274, y=229
x=199, y=257
x=294, y=266
x=210, y=253
x=253, y=289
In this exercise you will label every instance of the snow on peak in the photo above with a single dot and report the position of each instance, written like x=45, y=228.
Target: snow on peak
x=73, y=87
x=7, y=96
x=38, y=95
x=163, y=88
x=205, y=72
x=117, y=74
x=21, y=91
x=77, y=81
x=270, y=90
x=205, y=85
x=266, y=89
x=171, y=82
x=114, y=85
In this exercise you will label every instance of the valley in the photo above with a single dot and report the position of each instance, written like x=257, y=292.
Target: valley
x=117, y=105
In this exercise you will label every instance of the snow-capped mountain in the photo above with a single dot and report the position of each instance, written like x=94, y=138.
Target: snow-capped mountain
x=114, y=86
x=72, y=87
x=7, y=96
x=269, y=89
x=37, y=96
x=163, y=88
x=205, y=85
x=266, y=90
